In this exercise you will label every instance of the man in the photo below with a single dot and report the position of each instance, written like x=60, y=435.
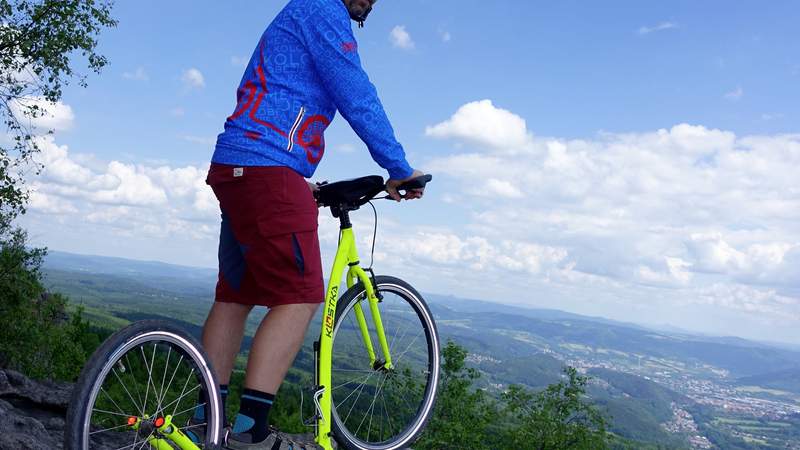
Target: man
x=304, y=68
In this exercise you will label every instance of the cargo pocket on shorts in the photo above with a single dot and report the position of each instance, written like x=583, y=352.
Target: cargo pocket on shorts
x=288, y=235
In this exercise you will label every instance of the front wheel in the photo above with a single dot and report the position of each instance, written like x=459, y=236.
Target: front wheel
x=376, y=407
x=139, y=390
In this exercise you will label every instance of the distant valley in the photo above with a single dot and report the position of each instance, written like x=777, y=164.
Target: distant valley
x=666, y=388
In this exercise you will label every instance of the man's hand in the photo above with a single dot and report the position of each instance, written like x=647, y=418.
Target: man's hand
x=391, y=188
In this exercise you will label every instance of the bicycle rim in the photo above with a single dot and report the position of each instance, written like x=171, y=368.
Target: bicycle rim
x=375, y=408
x=153, y=375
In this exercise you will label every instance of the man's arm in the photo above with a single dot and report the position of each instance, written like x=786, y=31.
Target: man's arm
x=330, y=40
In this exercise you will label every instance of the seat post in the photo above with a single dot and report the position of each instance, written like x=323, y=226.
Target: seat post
x=344, y=219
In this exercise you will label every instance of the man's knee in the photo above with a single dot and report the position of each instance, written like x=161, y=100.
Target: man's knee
x=308, y=308
x=301, y=309
x=232, y=309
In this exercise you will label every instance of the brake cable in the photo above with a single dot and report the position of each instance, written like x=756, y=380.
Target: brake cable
x=374, y=236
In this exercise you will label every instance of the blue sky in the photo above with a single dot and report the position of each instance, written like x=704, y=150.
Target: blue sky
x=631, y=160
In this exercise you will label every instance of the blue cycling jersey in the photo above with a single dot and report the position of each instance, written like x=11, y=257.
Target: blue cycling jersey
x=305, y=67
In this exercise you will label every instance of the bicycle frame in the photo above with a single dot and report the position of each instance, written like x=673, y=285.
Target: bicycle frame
x=346, y=257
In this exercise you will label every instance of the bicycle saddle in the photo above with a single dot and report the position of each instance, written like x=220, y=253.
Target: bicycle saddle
x=353, y=192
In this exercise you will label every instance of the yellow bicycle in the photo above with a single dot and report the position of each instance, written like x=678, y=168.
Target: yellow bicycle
x=376, y=374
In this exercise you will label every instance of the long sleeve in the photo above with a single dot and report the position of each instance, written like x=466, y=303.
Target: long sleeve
x=329, y=37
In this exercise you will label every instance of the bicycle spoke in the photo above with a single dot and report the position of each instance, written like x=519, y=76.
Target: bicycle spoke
x=191, y=408
x=135, y=382
x=171, y=378
x=361, y=384
x=409, y=346
x=386, y=411
x=355, y=402
x=391, y=346
x=150, y=371
x=175, y=402
x=135, y=438
x=141, y=411
x=391, y=343
x=109, y=412
x=161, y=393
x=197, y=425
x=147, y=391
x=372, y=405
x=145, y=441
x=112, y=401
x=351, y=381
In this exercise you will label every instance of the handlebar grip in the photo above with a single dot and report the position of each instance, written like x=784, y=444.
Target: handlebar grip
x=416, y=183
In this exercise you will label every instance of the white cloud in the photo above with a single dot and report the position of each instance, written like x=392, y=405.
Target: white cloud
x=734, y=95
x=47, y=204
x=501, y=188
x=447, y=248
x=193, y=78
x=679, y=209
x=125, y=195
x=445, y=35
x=671, y=272
x=751, y=300
x=660, y=27
x=52, y=116
x=137, y=75
x=482, y=123
x=400, y=38
x=765, y=261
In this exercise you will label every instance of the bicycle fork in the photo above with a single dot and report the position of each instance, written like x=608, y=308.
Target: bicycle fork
x=346, y=257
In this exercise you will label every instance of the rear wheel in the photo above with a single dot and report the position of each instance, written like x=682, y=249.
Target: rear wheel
x=145, y=373
x=375, y=407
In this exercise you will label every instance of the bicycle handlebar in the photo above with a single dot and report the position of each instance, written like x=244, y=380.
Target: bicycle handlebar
x=416, y=183
x=351, y=194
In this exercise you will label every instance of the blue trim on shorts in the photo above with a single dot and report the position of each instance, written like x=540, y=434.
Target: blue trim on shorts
x=298, y=255
x=232, y=264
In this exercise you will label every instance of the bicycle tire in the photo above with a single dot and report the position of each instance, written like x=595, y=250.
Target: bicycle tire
x=385, y=285
x=105, y=360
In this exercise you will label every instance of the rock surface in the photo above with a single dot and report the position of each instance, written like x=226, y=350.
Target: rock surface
x=31, y=413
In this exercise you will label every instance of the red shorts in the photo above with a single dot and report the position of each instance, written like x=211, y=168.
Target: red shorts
x=268, y=246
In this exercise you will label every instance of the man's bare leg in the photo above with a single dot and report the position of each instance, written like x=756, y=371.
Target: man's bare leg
x=276, y=343
x=222, y=336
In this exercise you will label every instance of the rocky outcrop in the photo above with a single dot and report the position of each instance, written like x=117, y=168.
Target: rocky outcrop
x=31, y=413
